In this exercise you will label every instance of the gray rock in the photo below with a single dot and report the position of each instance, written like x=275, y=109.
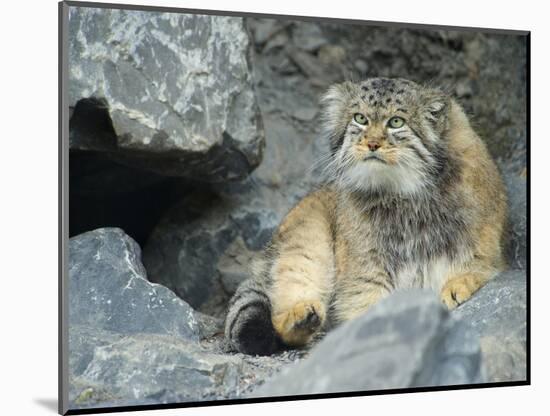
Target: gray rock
x=157, y=369
x=233, y=263
x=82, y=342
x=108, y=369
x=108, y=289
x=192, y=250
x=407, y=340
x=517, y=220
x=308, y=63
x=361, y=66
x=497, y=313
x=265, y=29
x=308, y=36
x=209, y=326
x=278, y=41
x=169, y=93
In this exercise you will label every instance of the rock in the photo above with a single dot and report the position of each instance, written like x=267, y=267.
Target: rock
x=234, y=263
x=305, y=114
x=108, y=369
x=497, y=313
x=209, y=326
x=407, y=340
x=308, y=36
x=361, y=66
x=108, y=289
x=192, y=250
x=165, y=92
x=285, y=66
x=517, y=221
x=277, y=41
x=331, y=55
x=265, y=29
x=151, y=369
x=308, y=64
x=82, y=342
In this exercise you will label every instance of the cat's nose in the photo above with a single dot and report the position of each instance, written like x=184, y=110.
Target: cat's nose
x=374, y=145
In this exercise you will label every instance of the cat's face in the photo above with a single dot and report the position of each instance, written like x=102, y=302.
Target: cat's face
x=385, y=135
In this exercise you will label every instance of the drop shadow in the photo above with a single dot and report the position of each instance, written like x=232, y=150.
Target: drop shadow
x=49, y=404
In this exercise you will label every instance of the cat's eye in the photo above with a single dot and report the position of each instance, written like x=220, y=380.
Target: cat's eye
x=396, y=122
x=360, y=118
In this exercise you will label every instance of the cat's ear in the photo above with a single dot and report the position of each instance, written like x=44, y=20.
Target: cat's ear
x=436, y=105
x=335, y=110
x=435, y=109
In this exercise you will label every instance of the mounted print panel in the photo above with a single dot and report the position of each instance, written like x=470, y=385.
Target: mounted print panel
x=279, y=208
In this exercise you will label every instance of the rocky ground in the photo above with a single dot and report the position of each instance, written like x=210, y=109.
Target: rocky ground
x=190, y=137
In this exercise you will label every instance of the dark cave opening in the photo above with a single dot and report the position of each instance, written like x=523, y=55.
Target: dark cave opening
x=103, y=193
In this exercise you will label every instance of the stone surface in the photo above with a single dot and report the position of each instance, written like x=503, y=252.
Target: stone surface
x=156, y=369
x=169, y=93
x=517, y=219
x=202, y=246
x=497, y=313
x=109, y=290
x=153, y=369
x=407, y=340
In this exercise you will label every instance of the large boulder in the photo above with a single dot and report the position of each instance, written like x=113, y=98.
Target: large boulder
x=147, y=369
x=166, y=92
x=115, y=370
x=497, y=313
x=109, y=290
x=407, y=340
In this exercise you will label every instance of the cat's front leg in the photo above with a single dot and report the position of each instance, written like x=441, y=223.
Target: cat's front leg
x=302, y=273
x=486, y=261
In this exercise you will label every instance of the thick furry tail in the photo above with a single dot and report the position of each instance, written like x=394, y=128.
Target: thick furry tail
x=248, y=326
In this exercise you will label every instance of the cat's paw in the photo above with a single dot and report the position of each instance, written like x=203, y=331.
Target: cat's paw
x=297, y=325
x=459, y=289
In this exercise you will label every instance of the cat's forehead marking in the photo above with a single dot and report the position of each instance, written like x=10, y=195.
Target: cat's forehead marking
x=380, y=98
x=386, y=86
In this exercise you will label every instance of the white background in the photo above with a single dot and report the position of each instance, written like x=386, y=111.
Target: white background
x=28, y=205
